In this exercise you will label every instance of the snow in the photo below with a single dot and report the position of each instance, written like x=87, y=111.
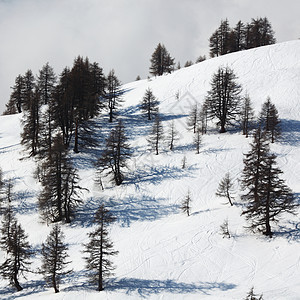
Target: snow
x=163, y=254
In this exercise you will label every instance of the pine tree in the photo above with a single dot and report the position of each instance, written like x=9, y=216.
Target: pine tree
x=219, y=41
x=114, y=157
x=186, y=204
x=149, y=104
x=60, y=193
x=17, y=95
x=54, y=255
x=223, y=100
x=225, y=230
x=198, y=139
x=161, y=61
x=267, y=195
x=260, y=33
x=269, y=120
x=252, y=296
x=193, y=118
x=225, y=188
x=31, y=125
x=100, y=248
x=46, y=83
x=172, y=135
x=156, y=135
x=18, y=253
x=203, y=118
x=247, y=116
x=113, y=94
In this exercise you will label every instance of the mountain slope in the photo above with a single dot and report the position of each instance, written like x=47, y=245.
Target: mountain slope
x=163, y=254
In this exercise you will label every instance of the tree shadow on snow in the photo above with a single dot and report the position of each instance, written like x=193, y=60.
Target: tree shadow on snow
x=29, y=288
x=146, y=287
x=290, y=134
x=156, y=174
x=139, y=207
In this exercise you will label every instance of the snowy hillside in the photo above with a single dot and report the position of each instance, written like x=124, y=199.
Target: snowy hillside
x=163, y=254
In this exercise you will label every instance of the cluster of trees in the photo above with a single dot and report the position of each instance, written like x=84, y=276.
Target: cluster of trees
x=66, y=104
x=267, y=195
x=54, y=251
x=225, y=40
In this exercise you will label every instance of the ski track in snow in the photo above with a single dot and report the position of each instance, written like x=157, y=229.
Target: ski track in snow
x=163, y=254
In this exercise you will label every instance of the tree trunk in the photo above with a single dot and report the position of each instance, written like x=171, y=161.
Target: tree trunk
x=16, y=283
x=76, y=138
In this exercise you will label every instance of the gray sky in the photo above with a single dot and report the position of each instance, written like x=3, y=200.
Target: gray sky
x=121, y=34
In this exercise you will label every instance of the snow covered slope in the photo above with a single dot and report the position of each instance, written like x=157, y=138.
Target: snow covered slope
x=163, y=254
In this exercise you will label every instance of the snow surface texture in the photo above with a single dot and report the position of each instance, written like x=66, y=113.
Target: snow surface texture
x=163, y=254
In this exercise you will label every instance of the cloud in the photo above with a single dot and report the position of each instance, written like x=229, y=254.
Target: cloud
x=120, y=34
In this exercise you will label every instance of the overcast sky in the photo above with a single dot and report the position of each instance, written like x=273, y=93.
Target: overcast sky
x=121, y=34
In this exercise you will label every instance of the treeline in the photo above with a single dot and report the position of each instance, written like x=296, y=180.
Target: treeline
x=224, y=40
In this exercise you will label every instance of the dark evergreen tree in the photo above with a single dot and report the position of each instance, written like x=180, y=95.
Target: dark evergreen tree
x=113, y=94
x=60, y=193
x=28, y=90
x=31, y=124
x=100, y=248
x=18, y=253
x=247, y=116
x=46, y=82
x=252, y=296
x=269, y=120
x=114, y=157
x=156, y=134
x=186, y=204
x=54, y=258
x=200, y=59
x=267, y=196
x=225, y=188
x=149, y=104
x=223, y=100
x=63, y=108
x=260, y=33
x=237, y=38
x=161, y=61
x=17, y=95
x=219, y=41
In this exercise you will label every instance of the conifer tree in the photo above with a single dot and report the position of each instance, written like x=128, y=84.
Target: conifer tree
x=117, y=151
x=113, y=94
x=17, y=95
x=267, y=196
x=223, y=100
x=225, y=188
x=186, y=204
x=198, y=139
x=269, y=120
x=46, y=81
x=54, y=256
x=161, y=61
x=193, y=118
x=60, y=193
x=149, y=104
x=100, y=248
x=31, y=125
x=247, y=116
x=18, y=253
x=156, y=135
x=172, y=135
